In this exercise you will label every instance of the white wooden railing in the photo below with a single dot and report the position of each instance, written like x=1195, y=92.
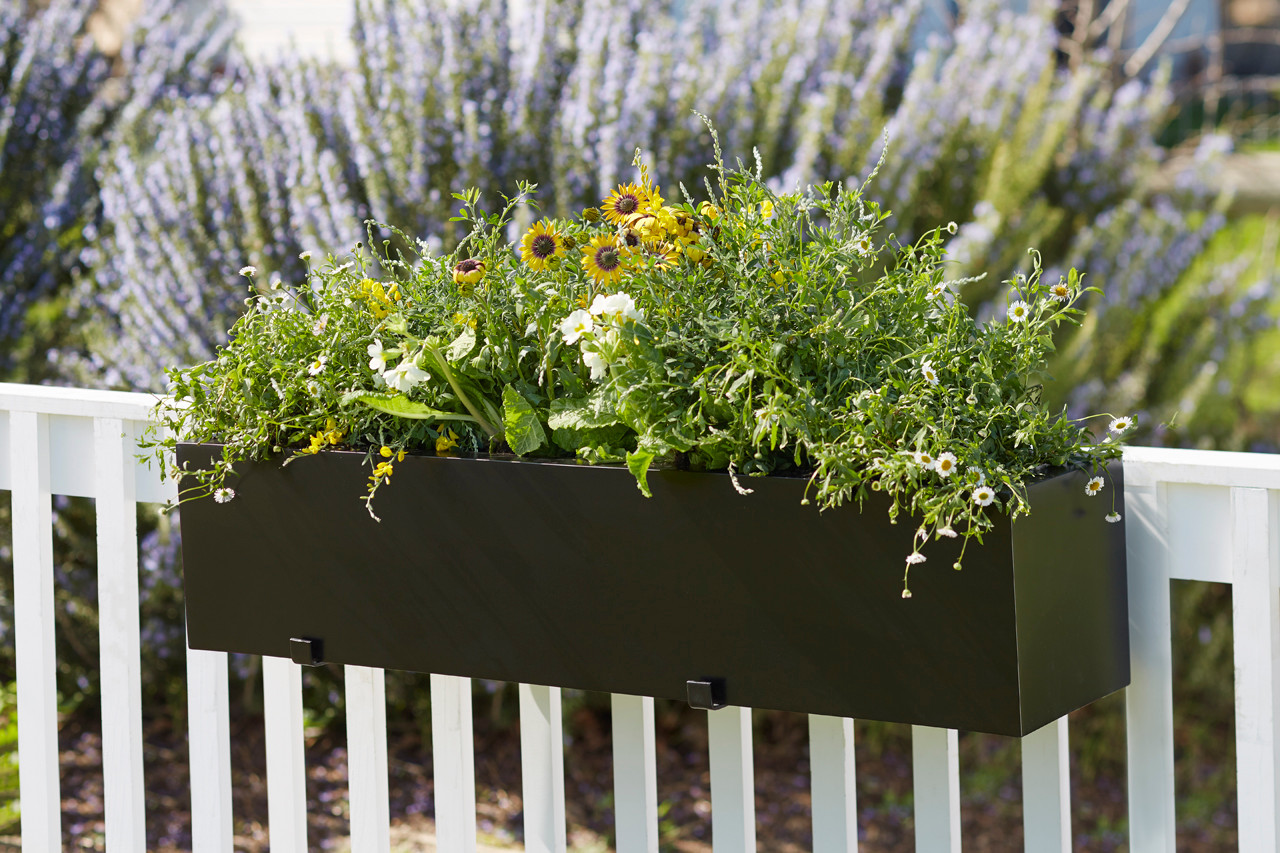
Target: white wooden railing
x=1193, y=515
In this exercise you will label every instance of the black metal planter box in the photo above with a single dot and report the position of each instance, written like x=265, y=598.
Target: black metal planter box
x=564, y=574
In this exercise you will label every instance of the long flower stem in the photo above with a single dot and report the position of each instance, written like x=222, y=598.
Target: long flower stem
x=466, y=401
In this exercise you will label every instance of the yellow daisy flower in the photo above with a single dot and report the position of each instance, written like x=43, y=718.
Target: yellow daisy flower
x=540, y=245
x=604, y=260
x=624, y=202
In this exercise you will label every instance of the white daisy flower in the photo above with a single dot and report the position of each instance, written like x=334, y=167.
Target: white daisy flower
x=318, y=365
x=915, y=557
x=864, y=245
x=983, y=495
x=906, y=593
x=318, y=328
x=947, y=532
x=576, y=325
x=1060, y=292
x=1113, y=517
x=249, y=271
x=1094, y=486
x=937, y=290
x=930, y=375
x=1019, y=311
x=304, y=256
x=925, y=460
x=224, y=494
x=946, y=464
x=1121, y=424
x=377, y=357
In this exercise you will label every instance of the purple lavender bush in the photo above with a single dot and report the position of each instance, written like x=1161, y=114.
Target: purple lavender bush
x=61, y=98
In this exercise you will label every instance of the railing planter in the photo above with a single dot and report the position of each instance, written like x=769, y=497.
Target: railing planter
x=562, y=574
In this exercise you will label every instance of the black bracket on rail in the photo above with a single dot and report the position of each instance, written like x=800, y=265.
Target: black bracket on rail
x=706, y=693
x=308, y=651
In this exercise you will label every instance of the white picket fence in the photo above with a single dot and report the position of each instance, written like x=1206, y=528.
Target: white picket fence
x=1191, y=514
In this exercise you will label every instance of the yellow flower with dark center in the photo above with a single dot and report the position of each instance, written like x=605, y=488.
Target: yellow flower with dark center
x=540, y=245
x=466, y=273
x=630, y=238
x=624, y=202
x=604, y=260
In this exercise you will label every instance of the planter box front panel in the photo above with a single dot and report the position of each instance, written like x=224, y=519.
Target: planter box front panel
x=563, y=574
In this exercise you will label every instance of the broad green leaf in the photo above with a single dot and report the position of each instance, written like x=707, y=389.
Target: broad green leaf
x=638, y=462
x=403, y=407
x=577, y=413
x=462, y=346
x=524, y=430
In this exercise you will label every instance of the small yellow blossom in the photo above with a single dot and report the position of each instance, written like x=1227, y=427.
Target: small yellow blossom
x=445, y=443
x=709, y=210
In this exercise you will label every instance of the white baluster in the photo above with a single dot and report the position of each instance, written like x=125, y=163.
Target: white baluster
x=733, y=796
x=1046, y=789
x=454, y=759
x=635, y=774
x=367, y=778
x=834, y=783
x=118, y=632
x=542, y=769
x=286, y=763
x=209, y=743
x=935, y=763
x=1149, y=698
x=33, y=626
x=1255, y=601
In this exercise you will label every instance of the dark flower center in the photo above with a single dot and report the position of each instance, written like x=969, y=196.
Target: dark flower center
x=543, y=246
x=608, y=258
x=627, y=204
x=632, y=239
x=469, y=265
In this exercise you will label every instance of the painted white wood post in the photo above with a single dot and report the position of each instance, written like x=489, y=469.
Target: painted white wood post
x=635, y=774
x=1046, y=789
x=542, y=769
x=118, y=633
x=33, y=628
x=209, y=745
x=453, y=755
x=834, y=784
x=935, y=768
x=286, y=762
x=1255, y=598
x=1149, y=698
x=367, y=779
x=733, y=794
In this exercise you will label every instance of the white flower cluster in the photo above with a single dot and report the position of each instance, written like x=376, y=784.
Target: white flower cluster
x=604, y=316
x=404, y=377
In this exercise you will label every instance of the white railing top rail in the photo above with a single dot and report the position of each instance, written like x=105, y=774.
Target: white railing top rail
x=76, y=402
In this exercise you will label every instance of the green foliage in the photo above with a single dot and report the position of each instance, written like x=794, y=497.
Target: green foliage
x=8, y=757
x=762, y=334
